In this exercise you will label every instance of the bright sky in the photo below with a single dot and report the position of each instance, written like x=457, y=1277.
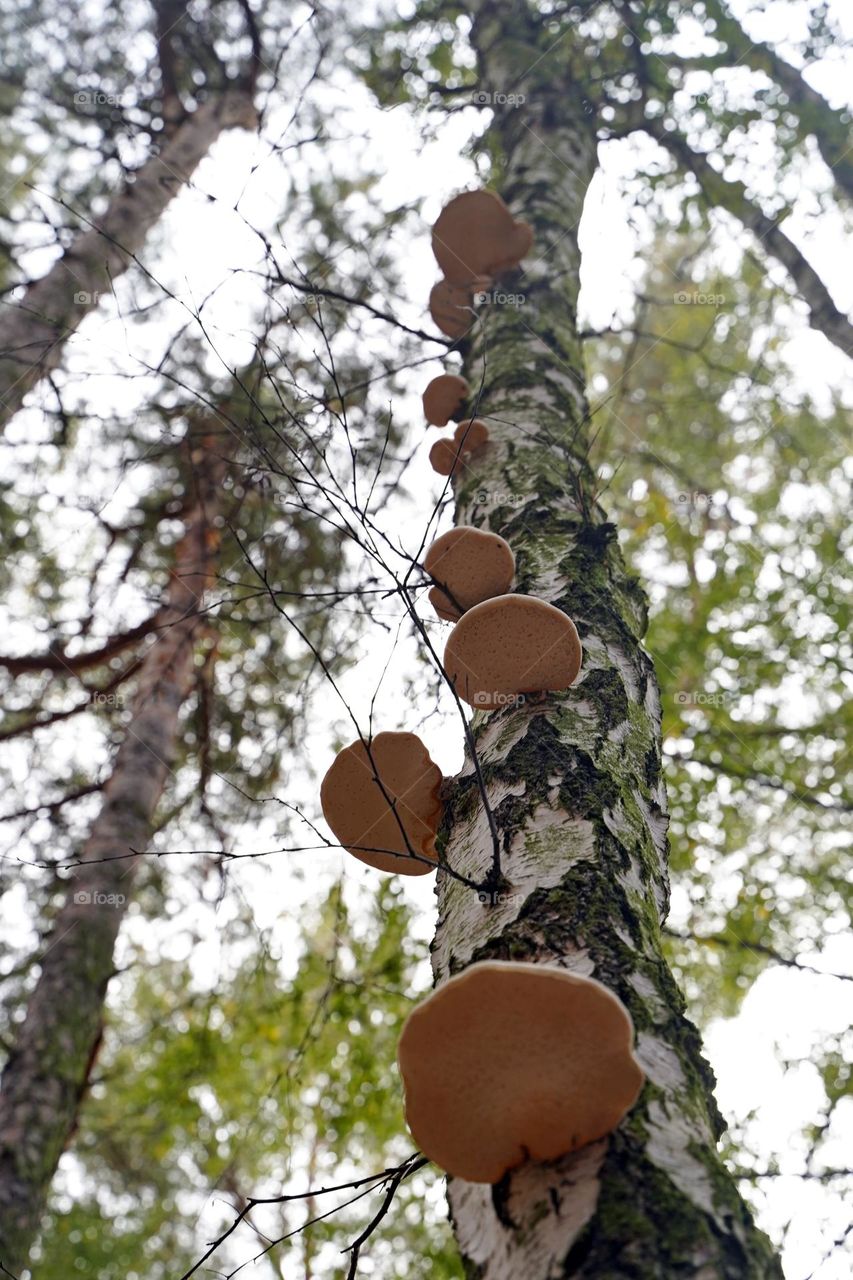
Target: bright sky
x=205, y=242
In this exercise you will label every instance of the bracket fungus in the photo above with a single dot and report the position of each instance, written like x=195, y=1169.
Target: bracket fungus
x=514, y=1061
x=444, y=608
x=476, y=238
x=451, y=308
x=509, y=646
x=447, y=457
x=443, y=398
x=472, y=564
x=358, y=811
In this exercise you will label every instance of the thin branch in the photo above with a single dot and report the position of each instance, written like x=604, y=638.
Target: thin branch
x=252, y=1202
x=393, y=1186
x=732, y=941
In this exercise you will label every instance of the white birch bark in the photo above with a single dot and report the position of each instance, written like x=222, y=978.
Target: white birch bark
x=574, y=780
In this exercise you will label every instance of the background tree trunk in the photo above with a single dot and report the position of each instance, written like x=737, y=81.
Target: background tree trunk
x=49, y=1062
x=574, y=781
x=34, y=329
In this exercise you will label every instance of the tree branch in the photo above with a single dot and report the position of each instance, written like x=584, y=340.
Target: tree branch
x=827, y=126
x=56, y=660
x=722, y=193
x=760, y=948
x=764, y=780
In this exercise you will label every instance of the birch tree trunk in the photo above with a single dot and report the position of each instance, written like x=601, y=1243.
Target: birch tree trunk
x=35, y=328
x=48, y=1065
x=574, y=780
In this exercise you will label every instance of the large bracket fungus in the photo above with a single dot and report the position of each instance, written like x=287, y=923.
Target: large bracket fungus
x=382, y=834
x=472, y=564
x=443, y=398
x=509, y=646
x=514, y=1061
x=447, y=457
x=476, y=238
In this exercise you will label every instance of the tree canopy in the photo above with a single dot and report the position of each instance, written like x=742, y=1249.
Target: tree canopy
x=277, y=301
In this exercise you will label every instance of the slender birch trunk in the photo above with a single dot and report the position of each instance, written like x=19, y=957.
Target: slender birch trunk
x=35, y=327
x=574, y=780
x=48, y=1065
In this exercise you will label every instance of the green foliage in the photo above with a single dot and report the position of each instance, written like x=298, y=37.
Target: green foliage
x=278, y=1074
x=278, y=1077
x=734, y=505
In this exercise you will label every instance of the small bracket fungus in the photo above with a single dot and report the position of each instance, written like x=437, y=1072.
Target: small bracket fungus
x=451, y=309
x=509, y=646
x=472, y=564
x=443, y=398
x=448, y=457
x=359, y=814
x=511, y=1061
x=476, y=238
x=444, y=608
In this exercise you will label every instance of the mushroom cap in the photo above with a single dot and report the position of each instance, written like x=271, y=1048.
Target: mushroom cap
x=450, y=308
x=510, y=645
x=512, y=1061
x=518, y=245
x=474, y=565
x=447, y=457
x=444, y=395
x=360, y=816
x=476, y=237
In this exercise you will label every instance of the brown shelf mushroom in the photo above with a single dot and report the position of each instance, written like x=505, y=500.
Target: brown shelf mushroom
x=477, y=238
x=472, y=564
x=511, y=645
x=447, y=457
x=443, y=607
x=443, y=398
x=359, y=813
x=512, y=1061
x=450, y=308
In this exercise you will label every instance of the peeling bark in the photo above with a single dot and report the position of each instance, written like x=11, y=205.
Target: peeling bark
x=49, y=1062
x=574, y=780
x=35, y=327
